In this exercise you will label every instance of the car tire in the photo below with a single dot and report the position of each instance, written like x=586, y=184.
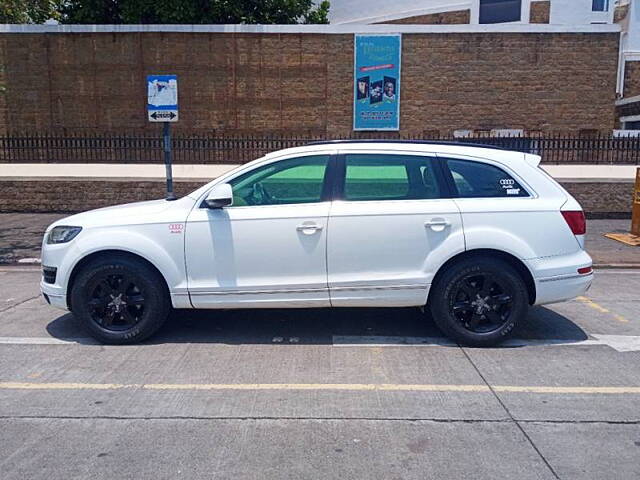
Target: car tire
x=120, y=300
x=479, y=301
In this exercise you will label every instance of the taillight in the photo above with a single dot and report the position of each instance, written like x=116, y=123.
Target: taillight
x=576, y=221
x=585, y=270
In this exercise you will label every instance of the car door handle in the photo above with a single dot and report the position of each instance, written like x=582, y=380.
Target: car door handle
x=437, y=224
x=309, y=228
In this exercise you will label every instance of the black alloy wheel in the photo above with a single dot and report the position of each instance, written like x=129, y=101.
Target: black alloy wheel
x=479, y=301
x=120, y=299
x=483, y=302
x=116, y=302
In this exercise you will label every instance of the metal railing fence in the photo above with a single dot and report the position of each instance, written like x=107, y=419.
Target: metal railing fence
x=200, y=148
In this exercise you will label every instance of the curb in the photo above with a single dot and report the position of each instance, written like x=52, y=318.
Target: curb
x=614, y=266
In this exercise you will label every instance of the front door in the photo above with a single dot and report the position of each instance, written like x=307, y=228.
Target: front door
x=269, y=247
x=392, y=228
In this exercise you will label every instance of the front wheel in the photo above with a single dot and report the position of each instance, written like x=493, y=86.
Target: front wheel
x=120, y=300
x=479, y=301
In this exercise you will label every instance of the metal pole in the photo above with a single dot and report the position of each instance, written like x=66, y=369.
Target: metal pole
x=166, y=137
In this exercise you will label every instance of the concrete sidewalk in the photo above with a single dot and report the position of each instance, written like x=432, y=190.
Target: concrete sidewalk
x=21, y=237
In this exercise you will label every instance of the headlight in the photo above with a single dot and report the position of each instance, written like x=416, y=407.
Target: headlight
x=62, y=234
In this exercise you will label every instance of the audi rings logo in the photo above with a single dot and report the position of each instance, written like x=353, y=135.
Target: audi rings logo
x=176, y=227
x=507, y=182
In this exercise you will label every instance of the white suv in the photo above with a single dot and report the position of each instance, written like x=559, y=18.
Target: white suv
x=476, y=234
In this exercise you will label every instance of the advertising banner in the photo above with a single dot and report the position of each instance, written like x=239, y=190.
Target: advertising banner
x=376, y=101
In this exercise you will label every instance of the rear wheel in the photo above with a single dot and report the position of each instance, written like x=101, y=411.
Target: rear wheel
x=479, y=301
x=120, y=300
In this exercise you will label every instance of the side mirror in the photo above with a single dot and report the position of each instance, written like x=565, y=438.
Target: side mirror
x=219, y=196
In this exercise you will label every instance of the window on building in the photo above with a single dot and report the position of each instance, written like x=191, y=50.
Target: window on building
x=296, y=180
x=600, y=5
x=481, y=180
x=500, y=11
x=389, y=177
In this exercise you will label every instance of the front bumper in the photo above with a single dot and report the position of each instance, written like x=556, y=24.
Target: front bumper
x=59, y=259
x=54, y=295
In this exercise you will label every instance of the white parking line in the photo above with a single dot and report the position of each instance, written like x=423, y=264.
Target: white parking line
x=46, y=341
x=621, y=343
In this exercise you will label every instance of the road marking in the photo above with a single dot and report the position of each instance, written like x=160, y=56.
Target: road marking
x=47, y=341
x=601, y=309
x=621, y=343
x=352, y=387
x=11, y=269
x=620, y=318
x=592, y=304
x=29, y=260
x=63, y=386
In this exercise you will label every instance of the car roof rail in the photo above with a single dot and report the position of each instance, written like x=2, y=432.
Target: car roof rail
x=460, y=143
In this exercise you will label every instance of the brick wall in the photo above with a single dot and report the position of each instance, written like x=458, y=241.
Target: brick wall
x=456, y=17
x=539, y=12
x=631, y=79
x=302, y=83
x=58, y=195
x=3, y=81
x=599, y=199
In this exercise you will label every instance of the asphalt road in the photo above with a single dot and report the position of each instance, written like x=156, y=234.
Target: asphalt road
x=371, y=393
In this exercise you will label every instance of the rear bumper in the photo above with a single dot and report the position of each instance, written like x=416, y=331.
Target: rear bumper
x=554, y=290
x=557, y=278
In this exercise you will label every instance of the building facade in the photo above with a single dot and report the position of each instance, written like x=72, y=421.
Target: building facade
x=625, y=13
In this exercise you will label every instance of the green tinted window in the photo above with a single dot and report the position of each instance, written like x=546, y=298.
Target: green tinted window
x=389, y=177
x=296, y=180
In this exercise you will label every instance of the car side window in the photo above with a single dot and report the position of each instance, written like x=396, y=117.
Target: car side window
x=389, y=177
x=481, y=180
x=291, y=181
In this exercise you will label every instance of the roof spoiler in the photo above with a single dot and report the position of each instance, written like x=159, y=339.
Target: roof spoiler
x=533, y=160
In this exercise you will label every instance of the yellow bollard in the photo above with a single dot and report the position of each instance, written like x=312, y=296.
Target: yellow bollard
x=632, y=238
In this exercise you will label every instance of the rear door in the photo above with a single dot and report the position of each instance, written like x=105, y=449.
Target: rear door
x=502, y=211
x=391, y=225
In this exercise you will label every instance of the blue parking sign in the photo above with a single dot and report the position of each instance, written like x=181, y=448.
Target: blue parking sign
x=162, y=98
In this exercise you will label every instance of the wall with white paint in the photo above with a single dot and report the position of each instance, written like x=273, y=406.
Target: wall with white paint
x=631, y=25
x=563, y=12
x=577, y=12
x=372, y=11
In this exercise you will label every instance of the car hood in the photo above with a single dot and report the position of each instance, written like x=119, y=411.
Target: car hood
x=153, y=211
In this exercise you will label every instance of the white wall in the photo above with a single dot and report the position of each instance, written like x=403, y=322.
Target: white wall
x=631, y=41
x=563, y=12
x=576, y=12
x=371, y=11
